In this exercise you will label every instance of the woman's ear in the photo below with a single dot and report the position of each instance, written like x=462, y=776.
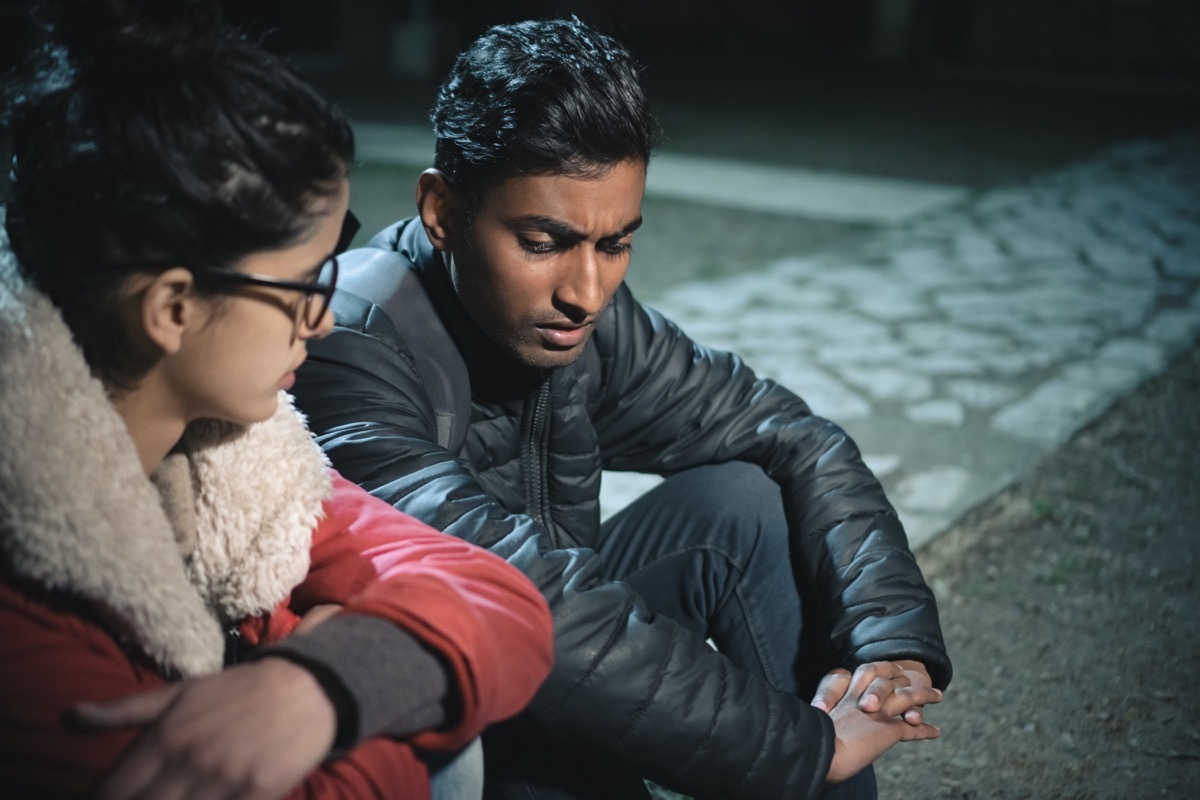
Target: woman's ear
x=437, y=205
x=167, y=307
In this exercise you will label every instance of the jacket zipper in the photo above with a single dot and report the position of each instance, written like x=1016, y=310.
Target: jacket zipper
x=535, y=460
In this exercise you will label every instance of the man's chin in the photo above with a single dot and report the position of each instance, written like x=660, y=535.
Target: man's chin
x=542, y=358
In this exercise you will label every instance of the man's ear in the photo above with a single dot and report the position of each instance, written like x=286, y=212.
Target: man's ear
x=168, y=307
x=437, y=205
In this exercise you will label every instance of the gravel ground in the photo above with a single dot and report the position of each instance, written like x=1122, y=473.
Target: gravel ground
x=1069, y=604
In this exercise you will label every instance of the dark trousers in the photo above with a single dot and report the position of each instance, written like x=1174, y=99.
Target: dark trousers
x=709, y=548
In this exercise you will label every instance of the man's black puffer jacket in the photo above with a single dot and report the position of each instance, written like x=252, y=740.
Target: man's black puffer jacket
x=526, y=483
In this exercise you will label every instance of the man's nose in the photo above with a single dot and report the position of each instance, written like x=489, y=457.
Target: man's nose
x=582, y=284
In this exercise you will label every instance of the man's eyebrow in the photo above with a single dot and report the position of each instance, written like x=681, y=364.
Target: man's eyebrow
x=561, y=230
x=537, y=222
x=628, y=229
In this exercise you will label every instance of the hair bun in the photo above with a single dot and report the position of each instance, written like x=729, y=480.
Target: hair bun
x=138, y=36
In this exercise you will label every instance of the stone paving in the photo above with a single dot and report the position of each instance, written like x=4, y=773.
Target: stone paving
x=961, y=345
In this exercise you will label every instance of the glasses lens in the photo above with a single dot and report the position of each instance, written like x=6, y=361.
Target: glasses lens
x=317, y=303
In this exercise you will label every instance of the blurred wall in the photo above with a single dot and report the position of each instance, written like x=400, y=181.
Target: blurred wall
x=1141, y=40
x=1124, y=39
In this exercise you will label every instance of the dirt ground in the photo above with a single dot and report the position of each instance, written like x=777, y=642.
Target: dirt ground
x=1069, y=604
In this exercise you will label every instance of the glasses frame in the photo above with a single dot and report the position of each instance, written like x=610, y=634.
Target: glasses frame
x=311, y=290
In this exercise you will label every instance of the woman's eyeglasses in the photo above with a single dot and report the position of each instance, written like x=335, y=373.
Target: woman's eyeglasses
x=317, y=294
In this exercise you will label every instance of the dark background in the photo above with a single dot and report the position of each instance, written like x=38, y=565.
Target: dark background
x=1152, y=43
x=969, y=92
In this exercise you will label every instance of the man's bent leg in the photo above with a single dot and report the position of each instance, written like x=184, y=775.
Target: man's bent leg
x=523, y=763
x=709, y=548
x=691, y=547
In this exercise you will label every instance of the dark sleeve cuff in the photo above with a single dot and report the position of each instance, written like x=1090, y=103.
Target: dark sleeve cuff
x=380, y=679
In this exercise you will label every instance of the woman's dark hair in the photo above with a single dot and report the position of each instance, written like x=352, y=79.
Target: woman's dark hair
x=147, y=135
x=538, y=98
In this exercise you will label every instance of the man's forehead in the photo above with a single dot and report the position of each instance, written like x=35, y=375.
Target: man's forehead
x=543, y=199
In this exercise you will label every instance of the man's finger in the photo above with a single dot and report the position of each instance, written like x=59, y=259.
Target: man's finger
x=867, y=673
x=922, y=732
x=910, y=698
x=831, y=690
x=880, y=690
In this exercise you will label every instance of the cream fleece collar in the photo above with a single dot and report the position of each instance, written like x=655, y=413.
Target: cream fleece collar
x=221, y=532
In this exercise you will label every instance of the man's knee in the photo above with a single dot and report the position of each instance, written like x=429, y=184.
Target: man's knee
x=737, y=492
x=699, y=524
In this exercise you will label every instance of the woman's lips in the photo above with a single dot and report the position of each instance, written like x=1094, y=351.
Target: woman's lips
x=289, y=380
x=564, y=336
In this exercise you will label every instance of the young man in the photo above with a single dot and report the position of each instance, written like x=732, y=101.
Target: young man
x=489, y=362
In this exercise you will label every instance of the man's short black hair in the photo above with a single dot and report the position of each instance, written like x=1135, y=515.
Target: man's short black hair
x=544, y=97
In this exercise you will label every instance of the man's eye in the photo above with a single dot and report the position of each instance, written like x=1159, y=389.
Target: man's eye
x=539, y=247
x=615, y=248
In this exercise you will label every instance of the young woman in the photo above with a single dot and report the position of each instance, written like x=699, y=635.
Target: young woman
x=192, y=604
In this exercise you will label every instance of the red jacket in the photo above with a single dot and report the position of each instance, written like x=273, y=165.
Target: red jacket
x=483, y=617
x=112, y=583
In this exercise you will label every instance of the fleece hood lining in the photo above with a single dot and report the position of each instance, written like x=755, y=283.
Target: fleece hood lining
x=220, y=532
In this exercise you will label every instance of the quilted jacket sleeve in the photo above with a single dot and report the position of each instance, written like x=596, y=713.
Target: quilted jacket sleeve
x=486, y=623
x=670, y=404
x=625, y=682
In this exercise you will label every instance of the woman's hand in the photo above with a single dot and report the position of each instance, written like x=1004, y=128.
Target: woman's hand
x=253, y=731
x=315, y=616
